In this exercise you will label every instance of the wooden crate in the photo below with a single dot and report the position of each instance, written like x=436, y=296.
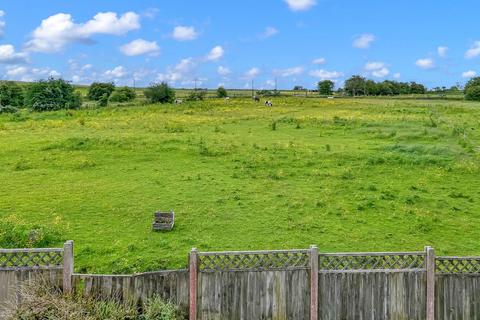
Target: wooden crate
x=163, y=221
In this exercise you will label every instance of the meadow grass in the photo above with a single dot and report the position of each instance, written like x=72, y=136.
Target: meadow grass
x=347, y=175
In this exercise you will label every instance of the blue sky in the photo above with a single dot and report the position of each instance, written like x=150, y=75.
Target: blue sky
x=218, y=42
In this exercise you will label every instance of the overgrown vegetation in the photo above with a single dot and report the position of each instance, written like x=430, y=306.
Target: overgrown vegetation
x=52, y=94
x=160, y=93
x=100, y=90
x=123, y=94
x=221, y=92
x=346, y=174
x=197, y=95
x=472, y=89
x=11, y=94
x=18, y=234
x=40, y=301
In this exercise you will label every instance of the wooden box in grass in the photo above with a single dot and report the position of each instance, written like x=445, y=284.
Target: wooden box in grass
x=163, y=221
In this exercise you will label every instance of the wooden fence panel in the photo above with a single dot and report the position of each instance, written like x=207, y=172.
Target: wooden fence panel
x=254, y=295
x=170, y=285
x=11, y=282
x=388, y=295
x=457, y=296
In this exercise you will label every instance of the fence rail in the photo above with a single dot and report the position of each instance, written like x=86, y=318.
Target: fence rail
x=14, y=259
x=457, y=265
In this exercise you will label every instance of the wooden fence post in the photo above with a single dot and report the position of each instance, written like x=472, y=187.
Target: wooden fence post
x=193, y=274
x=67, y=266
x=430, y=266
x=313, y=282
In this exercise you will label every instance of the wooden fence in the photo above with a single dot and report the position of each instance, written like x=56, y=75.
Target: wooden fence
x=278, y=284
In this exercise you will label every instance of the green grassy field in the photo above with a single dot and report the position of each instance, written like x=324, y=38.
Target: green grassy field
x=347, y=175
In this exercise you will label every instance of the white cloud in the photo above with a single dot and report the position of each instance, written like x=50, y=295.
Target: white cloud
x=370, y=66
x=8, y=55
x=442, y=51
x=469, y=74
x=116, y=73
x=300, y=5
x=363, y=41
x=184, y=33
x=24, y=73
x=326, y=75
x=87, y=67
x=474, y=51
x=270, y=83
x=139, y=47
x=223, y=71
x=377, y=69
x=319, y=61
x=426, y=63
x=216, y=53
x=397, y=75
x=182, y=71
x=252, y=73
x=289, y=72
x=2, y=23
x=57, y=31
x=269, y=32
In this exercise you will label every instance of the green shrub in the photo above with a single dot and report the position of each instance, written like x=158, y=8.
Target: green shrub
x=103, y=101
x=473, y=93
x=98, y=89
x=8, y=109
x=221, y=92
x=196, y=95
x=160, y=93
x=123, y=94
x=52, y=94
x=11, y=94
x=16, y=234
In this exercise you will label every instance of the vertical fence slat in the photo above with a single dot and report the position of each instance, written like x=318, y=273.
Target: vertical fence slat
x=430, y=266
x=313, y=282
x=193, y=273
x=67, y=266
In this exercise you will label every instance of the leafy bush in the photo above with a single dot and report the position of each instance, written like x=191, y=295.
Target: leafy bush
x=40, y=301
x=16, y=234
x=196, y=95
x=103, y=101
x=8, y=109
x=473, y=93
x=123, y=94
x=52, y=94
x=160, y=93
x=11, y=94
x=221, y=92
x=98, y=89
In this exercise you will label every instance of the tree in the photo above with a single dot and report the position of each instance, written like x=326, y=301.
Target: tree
x=11, y=94
x=298, y=88
x=160, y=93
x=221, y=92
x=325, y=87
x=123, y=94
x=355, y=86
x=197, y=95
x=52, y=94
x=472, y=93
x=98, y=89
x=472, y=89
x=416, y=88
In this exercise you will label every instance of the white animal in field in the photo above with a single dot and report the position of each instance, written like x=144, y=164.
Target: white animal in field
x=227, y=98
x=268, y=103
x=178, y=101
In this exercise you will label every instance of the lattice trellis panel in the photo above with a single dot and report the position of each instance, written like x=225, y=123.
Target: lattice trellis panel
x=253, y=261
x=372, y=261
x=15, y=259
x=469, y=265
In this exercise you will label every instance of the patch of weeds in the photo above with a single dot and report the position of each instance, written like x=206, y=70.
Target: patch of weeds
x=22, y=165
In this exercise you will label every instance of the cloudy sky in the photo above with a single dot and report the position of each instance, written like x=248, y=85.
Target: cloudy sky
x=218, y=42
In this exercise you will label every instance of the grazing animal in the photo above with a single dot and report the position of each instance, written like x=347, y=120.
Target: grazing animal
x=178, y=101
x=268, y=103
x=227, y=98
x=256, y=98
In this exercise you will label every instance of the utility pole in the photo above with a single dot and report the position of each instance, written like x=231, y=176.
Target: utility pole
x=195, y=84
x=252, y=89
